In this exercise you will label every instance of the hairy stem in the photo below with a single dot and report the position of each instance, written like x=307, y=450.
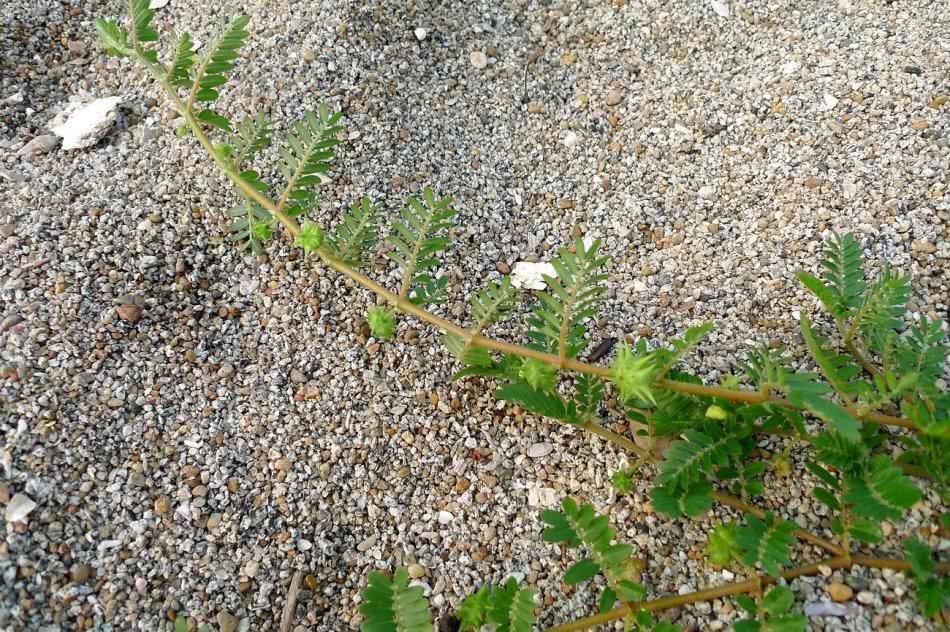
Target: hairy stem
x=737, y=588
x=400, y=301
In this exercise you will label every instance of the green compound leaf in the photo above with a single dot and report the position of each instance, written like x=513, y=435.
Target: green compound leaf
x=494, y=303
x=699, y=454
x=665, y=359
x=778, y=600
x=512, y=610
x=251, y=135
x=245, y=229
x=607, y=600
x=356, y=235
x=588, y=393
x=838, y=369
x=843, y=274
x=393, y=605
x=866, y=531
x=582, y=524
x=213, y=118
x=692, y=501
x=475, y=357
x=581, y=571
x=306, y=156
x=112, y=38
x=766, y=542
x=179, y=70
x=542, y=403
x=473, y=613
x=416, y=241
x=210, y=73
x=573, y=295
x=140, y=15
x=883, y=492
x=933, y=595
x=747, y=603
x=884, y=304
x=806, y=392
x=919, y=555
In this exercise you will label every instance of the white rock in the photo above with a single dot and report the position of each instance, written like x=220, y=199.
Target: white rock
x=445, y=517
x=721, y=8
x=16, y=97
x=529, y=276
x=829, y=609
x=537, y=450
x=478, y=59
x=828, y=102
x=791, y=67
x=570, y=139
x=81, y=125
x=19, y=508
x=304, y=545
x=420, y=34
x=158, y=4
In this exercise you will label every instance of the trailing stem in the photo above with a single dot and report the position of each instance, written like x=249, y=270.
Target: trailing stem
x=737, y=588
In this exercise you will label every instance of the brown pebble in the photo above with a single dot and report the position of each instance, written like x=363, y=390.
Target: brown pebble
x=80, y=573
x=811, y=183
x=129, y=313
x=503, y=267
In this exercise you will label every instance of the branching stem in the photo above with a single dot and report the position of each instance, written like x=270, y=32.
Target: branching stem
x=474, y=337
x=737, y=588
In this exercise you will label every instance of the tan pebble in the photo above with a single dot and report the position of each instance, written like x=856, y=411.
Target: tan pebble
x=938, y=102
x=569, y=58
x=283, y=465
x=461, y=485
x=407, y=437
x=565, y=203
x=311, y=583
x=535, y=108
x=811, y=183
x=920, y=124
x=614, y=97
x=373, y=349
x=416, y=571
x=161, y=505
x=840, y=592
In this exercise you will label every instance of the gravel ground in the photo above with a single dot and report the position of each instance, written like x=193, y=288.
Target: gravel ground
x=196, y=424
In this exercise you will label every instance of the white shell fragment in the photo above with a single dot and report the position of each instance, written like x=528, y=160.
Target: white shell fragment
x=19, y=508
x=529, y=276
x=721, y=8
x=81, y=125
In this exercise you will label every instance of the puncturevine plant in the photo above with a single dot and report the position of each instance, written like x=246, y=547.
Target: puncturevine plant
x=880, y=382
